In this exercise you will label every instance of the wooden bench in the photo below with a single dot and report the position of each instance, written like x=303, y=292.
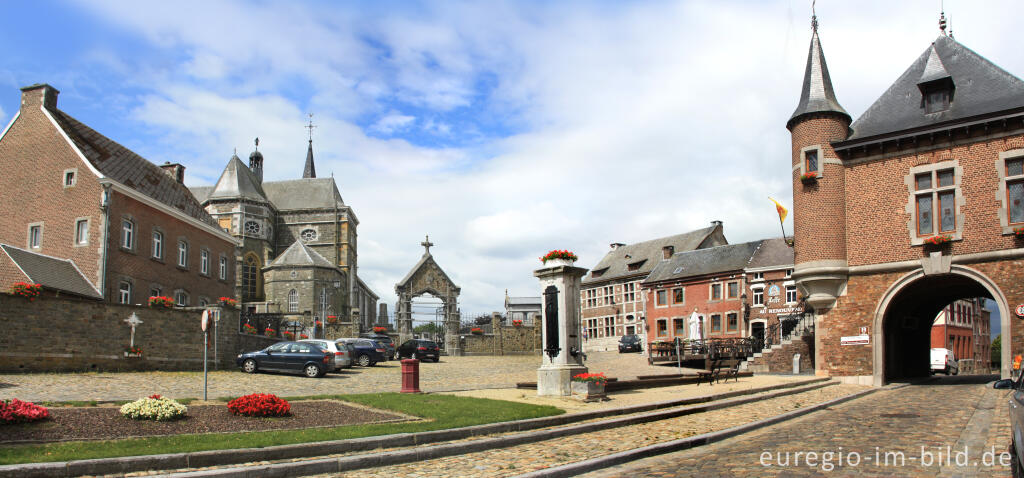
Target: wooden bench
x=710, y=374
x=728, y=368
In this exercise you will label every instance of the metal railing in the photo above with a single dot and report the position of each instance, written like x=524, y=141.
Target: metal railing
x=783, y=330
x=261, y=322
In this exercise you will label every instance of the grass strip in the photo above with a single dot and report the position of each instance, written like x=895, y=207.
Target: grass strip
x=439, y=411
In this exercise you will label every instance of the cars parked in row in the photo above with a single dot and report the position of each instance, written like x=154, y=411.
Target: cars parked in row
x=342, y=355
x=289, y=357
x=419, y=349
x=367, y=352
x=384, y=340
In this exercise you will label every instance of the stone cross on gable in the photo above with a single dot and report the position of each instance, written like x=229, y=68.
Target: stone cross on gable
x=133, y=321
x=426, y=244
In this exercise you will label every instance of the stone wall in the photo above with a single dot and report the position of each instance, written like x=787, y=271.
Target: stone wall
x=63, y=334
x=780, y=360
x=507, y=340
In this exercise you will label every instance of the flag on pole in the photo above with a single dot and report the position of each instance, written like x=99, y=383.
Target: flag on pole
x=782, y=210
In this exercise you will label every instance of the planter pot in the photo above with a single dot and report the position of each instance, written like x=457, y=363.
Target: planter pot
x=558, y=262
x=131, y=355
x=587, y=391
x=807, y=181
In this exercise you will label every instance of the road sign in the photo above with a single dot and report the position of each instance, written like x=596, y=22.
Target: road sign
x=206, y=319
x=1020, y=310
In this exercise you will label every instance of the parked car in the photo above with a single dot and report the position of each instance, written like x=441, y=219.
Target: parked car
x=944, y=361
x=342, y=356
x=289, y=357
x=386, y=340
x=630, y=343
x=419, y=349
x=1016, y=408
x=368, y=352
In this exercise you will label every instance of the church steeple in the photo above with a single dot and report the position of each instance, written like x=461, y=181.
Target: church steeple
x=256, y=162
x=816, y=95
x=310, y=170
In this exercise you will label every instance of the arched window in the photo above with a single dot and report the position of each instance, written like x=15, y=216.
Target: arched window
x=293, y=301
x=250, y=267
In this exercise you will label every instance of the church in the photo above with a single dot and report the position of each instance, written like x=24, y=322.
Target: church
x=298, y=243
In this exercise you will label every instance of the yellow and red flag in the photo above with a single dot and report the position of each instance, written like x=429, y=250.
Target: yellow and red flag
x=782, y=210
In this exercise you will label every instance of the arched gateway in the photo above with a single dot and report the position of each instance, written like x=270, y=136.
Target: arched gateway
x=426, y=277
x=916, y=204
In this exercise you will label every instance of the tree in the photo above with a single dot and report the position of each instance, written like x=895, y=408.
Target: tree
x=997, y=349
x=427, y=328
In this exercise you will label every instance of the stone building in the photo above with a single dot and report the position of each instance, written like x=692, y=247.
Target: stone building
x=612, y=304
x=963, y=327
x=910, y=207
x=525, y=309
x=131, y=228
x=299, y=242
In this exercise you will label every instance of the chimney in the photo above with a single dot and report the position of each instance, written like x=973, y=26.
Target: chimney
x=668, y=251
x=39, y=94
x=616, y=245
x=175, y=171
x=716, y=223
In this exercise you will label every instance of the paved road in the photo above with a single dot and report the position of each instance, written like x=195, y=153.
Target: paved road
x=893, y=432
x=451, y=373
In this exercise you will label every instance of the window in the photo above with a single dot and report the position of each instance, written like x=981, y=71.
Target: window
x=124, y=292
x=293, y=301
x=182, y=254
x=1014, y=180
x=716, y=323
x=127, y=234
x=811, y=161
x=677, y=295
x=81, y=232
x=609, y=298
x=790, y=294
x=757, y=276
x=935, y=188
x=732, y=321
x=69, y=177
x=35, y=236
x=181, y=298
x=935, y=100
x=629, y=292
x=223, y=268
x=678, y=327
x=308, y=235
x=733, y=289
x=156, y=291
x=716, y=291
x=252, y=228
x=758, y=295
x=662, y=327
x=789, y=273
x=591, y=297
x=662, y=297
x=203, y=302
x=204, y=262
x=158, y=244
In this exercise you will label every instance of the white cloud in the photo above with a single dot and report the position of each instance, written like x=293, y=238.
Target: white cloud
x=393, y=121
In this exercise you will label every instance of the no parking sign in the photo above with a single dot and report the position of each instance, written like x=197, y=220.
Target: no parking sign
x=1020, y=310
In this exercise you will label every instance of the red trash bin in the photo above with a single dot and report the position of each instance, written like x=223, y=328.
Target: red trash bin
x=410, y=376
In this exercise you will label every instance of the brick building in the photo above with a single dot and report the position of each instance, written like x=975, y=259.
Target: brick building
x=907, y=209
x=611, y=301
x=964, y=328
x=131, y=228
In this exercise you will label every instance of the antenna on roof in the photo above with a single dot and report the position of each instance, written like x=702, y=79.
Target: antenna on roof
x=814, y=17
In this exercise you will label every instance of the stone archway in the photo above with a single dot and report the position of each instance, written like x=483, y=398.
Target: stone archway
x=907, y=308
x=426, y=277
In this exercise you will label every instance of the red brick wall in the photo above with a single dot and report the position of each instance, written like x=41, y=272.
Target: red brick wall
x=697, y=294
x=819, y=217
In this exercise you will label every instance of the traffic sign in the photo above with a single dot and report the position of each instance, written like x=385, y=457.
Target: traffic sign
x=206, y=319
x=1020, y=310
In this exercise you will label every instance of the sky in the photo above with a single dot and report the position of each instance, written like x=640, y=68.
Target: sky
x=501, y=129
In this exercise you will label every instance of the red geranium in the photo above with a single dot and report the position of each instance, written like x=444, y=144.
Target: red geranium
x=26, y=290
x=17, y=411
x=557, y=254
x=260, y=405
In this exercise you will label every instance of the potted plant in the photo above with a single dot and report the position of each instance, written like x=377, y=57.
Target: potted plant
x=1018, y=232
x=476, y=331
x=159, y=301
x=269, y=332
x=332, y=319
x=380, y=330
x=808, y=178
x=249, y=329
x=26, y=290
x=938, y=240
x=517, y=322
x=588, y=386
x=559, y=258
x=288, y=335
x=228, y=301
x=303, y=336
x=133, y=351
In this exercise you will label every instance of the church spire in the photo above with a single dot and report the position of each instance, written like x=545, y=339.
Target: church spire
x=310, y=170
x=816, y=94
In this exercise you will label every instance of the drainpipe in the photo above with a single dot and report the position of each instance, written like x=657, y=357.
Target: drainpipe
x=105, y=207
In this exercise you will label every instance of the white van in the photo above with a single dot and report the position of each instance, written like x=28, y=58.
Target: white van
x=944, y=361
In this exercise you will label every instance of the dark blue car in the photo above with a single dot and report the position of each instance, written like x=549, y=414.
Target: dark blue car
x=289, y=357
x=368, y=352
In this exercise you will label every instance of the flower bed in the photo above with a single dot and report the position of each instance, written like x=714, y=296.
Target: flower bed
x=260, y=405
x=557, y=254
x=26, y=290
x=17, y=411
x=154, y=407
x=161, y=301
x=249, y=329
x=597, y=378
x=476, y=331
x=228, y=301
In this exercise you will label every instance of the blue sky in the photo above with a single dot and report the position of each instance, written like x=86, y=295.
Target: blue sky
x=502, y=129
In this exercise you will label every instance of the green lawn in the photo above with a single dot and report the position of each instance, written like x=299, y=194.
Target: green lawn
x=440, y=412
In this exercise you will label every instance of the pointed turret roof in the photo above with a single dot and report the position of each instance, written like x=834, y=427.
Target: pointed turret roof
x=310, y=170
x=299, y=254
x=237, y=181
x=816, y=94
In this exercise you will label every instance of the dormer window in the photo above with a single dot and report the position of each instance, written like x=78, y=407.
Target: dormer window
x=936, y=100
x=936, y=85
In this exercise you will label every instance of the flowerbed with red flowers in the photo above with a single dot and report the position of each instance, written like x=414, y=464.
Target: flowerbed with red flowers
x=269, y=332
x=476, y=331
x=557, y=254
x=228, y=301
x=161, y=301
x=260, y=405
x=517, y=322
x=26, y=290
x=17, y=411
x=380, y=329
x=249, y=329
x=938, y=240
x=597, y=378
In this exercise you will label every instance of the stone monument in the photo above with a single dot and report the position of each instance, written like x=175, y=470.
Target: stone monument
x=562, y=356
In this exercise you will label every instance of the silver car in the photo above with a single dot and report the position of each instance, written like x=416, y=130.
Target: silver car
x=342, y=356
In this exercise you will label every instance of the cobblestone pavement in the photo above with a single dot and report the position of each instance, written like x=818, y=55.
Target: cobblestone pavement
x=451, y=373
x=956, y=412
x=544, y=454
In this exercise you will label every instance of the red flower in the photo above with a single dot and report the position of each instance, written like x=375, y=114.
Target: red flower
x=260, y=405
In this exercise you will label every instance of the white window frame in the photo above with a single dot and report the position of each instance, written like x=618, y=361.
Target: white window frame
x=128, y=234
x=790, y=286
x=183, y=254
x=124, y=292
x=81, y=236
x=293, y=301
x=223, y=267
x=35, y=235
x=158, y=244
x=181, y=298
x=204, y=262
x=1002, y=194
x=757, y=291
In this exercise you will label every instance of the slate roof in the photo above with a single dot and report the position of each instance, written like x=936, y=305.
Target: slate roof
x=303, y=193
x=615, y=263
x=981, y=87
x=310, y=170
x=816, y=94
x=237, y=181
x=523, y=301
x=126, y=167
x=300, y=255
x=772, y=253
x=712, y=260
x=51, y=272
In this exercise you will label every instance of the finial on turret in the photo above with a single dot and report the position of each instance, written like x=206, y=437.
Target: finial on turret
x=814, y=17
x=942, y=22
x=257, y=144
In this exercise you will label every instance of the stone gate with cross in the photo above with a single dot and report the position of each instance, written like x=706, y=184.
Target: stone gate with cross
x=426, y=277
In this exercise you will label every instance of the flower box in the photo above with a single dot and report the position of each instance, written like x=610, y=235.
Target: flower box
x=809, y=178
x=380, y=330
x=557, y=257
x=26, y=290
x=269, y=332
x=588, y=386
x=332, y=319
x=938, y=240
x=133, y=352
x=476, y=331
x=160, y=301
x=1018, y=232
x=288, y=335
x=228, y=301
x=517, y=323
x=248, y=329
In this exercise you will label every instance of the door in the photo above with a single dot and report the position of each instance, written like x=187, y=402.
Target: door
x=274, y=359
x=757, y=333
